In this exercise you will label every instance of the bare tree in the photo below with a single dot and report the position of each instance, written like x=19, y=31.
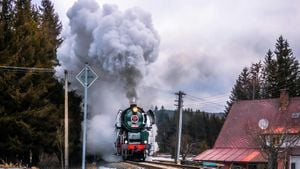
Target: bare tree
x=276, y=145
x=275, y=142
x=60, y=143
x=186, y=146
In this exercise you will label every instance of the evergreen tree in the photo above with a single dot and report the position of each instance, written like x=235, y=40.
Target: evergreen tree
x=256, y=80
x=6, y=33
x=51, y=28
x=287, y=67
x=201, y=129
x=6, y=30
x=29, y=90
x=242, y=89
x=265, y=81
x=13, y=88
x=269, y=76
x=281, y=72
x=31, y=103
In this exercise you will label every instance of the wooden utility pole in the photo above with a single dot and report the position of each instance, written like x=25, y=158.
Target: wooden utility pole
x=179, y=105
x=66, y=122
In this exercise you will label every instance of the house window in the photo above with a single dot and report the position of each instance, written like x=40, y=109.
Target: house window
x=293, y=166
x=276, y=140
x=252, y=166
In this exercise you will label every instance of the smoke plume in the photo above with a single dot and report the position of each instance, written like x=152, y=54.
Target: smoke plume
x=118, y=46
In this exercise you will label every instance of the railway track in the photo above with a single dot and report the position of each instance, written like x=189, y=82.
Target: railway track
x=161, y=165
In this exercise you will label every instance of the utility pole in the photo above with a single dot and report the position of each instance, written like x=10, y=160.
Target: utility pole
x=179, y=105
x=66, y=122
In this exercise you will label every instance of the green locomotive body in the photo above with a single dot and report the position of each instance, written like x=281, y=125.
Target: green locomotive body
x=133, y=126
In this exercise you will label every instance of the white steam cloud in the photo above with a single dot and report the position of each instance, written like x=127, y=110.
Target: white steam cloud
x=118, y=46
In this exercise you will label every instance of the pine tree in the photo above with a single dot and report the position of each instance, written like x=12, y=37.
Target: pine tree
x=31, y=103
x=281, y=71
x=269, y=76
x=6, y=30
x=29, y=89
x=51, y=28
x=242, y=89
x=287, y=67
x=256, y=80
x=265, y=81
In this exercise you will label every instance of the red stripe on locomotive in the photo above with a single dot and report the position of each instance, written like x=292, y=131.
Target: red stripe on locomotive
x=136, y=146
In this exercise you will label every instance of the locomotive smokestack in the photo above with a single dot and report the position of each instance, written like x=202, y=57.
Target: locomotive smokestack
x=132, y=101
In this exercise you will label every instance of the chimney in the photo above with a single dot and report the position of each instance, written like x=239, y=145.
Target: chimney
x=132, y=101
x=284, y=99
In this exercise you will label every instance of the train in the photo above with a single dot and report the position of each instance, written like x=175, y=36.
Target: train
x=133, y=126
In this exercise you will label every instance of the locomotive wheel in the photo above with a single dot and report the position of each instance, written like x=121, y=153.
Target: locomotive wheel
x=142, y=156
x=124, y=155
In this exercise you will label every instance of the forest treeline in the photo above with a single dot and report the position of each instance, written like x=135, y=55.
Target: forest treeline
x=199, y=130
x=32, y=101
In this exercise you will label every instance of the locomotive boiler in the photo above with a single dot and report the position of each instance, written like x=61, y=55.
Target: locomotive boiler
x=133, y=126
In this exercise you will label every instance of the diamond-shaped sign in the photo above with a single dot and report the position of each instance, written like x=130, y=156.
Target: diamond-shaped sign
x=91, y=76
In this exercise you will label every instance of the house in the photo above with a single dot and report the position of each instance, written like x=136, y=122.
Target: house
x=239, y=142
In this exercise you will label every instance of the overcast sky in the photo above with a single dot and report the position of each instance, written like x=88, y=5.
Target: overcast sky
x=205, y=44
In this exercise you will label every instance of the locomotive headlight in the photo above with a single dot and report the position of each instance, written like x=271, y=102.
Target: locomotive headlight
x=126, y=141
x=145, y=141
x=135, y=109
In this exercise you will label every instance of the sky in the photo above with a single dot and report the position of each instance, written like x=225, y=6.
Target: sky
x=205, y=44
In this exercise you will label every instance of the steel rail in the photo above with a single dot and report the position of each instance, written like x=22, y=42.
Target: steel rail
x=162, y=165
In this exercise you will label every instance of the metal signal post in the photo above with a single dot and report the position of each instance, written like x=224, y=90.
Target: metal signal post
x=86, y=77
x=179, y=125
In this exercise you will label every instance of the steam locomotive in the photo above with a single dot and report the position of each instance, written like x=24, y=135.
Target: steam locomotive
x=133, y=126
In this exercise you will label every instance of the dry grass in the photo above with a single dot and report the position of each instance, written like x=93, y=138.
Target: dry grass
x=11, y=165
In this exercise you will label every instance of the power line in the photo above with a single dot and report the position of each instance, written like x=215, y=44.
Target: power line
x=217, y=97
x=204, y=106
x=211, y=101
x=26, y=69
x=214, y=104
x=162, y=90
x=201, y=99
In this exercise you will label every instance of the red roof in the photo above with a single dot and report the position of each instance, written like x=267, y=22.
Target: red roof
x=235, y=136
x=231, y=155
x=244, y=116
x=281, y=130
